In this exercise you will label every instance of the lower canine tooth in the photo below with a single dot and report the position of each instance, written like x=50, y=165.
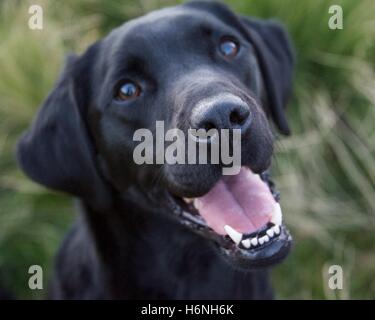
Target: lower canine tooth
x=246, y=243
x=233, y=234
x=261, y=241
x=277, y=215
x=254, y=241
x=266, y=238
x=196, y=203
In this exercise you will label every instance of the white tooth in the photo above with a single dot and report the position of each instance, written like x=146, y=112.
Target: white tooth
x=233, y=234
x=276, y=229
x=266, y=238
x=261, y=241
x=196, y=203
x=188, y=200
x=254, y=241
x=277, y=215
x=246, y=243
x=270, y=232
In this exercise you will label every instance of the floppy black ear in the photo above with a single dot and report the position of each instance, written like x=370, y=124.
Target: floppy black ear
x=276, y=57
x=274, y=52
x=56, y=151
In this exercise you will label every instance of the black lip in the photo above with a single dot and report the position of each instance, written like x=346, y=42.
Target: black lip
x=262, y=256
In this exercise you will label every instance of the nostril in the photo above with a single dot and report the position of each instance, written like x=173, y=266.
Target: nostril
x=238, y=117
x=235, y=118
x=209, y=125
x=231, y=113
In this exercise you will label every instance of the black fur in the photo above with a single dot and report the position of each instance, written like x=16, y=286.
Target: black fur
x=124, y=243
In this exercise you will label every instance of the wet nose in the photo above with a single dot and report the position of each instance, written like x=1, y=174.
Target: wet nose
x=222, y=115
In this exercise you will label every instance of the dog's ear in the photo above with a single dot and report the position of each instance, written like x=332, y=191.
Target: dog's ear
x=276, y=58
x=56, y=151
x=274, y=52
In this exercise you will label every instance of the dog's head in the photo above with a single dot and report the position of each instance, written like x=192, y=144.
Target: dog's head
x=194, y=66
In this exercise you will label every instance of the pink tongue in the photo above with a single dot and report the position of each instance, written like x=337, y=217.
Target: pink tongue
x=243, y=201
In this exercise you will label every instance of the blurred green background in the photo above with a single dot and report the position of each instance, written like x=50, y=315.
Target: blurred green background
x=325, y=170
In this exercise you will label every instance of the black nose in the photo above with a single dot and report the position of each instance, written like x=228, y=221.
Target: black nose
x=222, y=115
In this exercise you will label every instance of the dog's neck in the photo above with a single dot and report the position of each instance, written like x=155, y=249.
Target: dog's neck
x=145, y=255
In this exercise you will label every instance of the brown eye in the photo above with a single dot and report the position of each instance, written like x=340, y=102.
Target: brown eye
x=228, y=47
x=128, y=90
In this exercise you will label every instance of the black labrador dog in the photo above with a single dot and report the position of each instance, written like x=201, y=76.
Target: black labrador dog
x=166, y=231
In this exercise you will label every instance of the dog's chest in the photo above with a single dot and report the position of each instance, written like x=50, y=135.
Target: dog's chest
x=187, y=267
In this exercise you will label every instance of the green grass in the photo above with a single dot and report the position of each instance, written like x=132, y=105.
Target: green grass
x=325, y=170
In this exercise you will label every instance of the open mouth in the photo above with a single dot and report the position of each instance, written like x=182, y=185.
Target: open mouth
x=242, y=215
